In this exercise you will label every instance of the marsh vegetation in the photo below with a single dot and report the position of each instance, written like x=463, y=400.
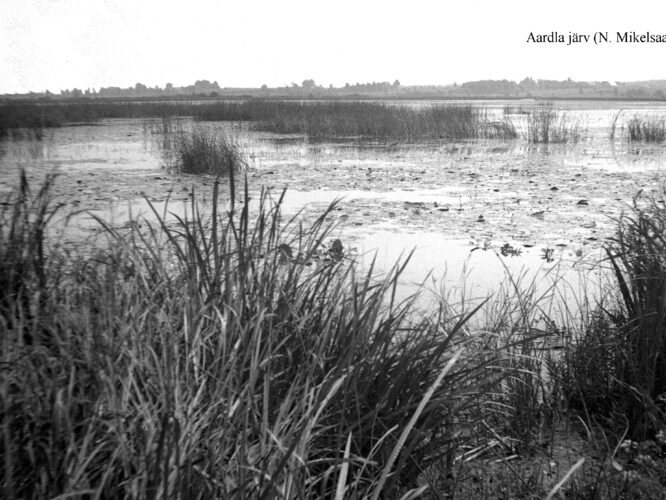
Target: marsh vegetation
x=235, y=354
x=549, y=126
x=647, y=129
x=370, y=120
x=236, y=350
x=202, y=152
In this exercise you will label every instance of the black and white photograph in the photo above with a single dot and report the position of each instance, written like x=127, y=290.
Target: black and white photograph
x=338, y=250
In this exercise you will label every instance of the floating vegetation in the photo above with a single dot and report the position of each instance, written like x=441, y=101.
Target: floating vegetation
x=508, y=250
x=547, y=254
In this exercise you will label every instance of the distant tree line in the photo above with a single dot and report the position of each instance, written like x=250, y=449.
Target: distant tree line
x=526, y=88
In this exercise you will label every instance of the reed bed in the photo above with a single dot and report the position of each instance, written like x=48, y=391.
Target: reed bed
x=646, y=128
x=380, y=121
x=21, y=119
x=515, y=110
x=233, y=354
x=203, y=152
x=548, y=126
x=362, y=120
x=221, y=356
x=615, y=370
x=365, y=120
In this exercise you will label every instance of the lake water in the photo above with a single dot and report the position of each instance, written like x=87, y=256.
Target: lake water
x=455, y=204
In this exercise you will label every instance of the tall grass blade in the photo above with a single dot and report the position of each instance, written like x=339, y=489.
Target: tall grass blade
x=410, y=425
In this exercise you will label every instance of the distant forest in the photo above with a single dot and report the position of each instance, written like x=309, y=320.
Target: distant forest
x=309, y=89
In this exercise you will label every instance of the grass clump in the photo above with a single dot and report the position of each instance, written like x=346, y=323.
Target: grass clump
x=204, y=152
x=197, y=357
x=646, y=129
x=548, y=126
x=617, y=368
x=23, y=221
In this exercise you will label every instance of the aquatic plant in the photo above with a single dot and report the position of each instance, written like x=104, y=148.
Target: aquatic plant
x=613, y=127
x=18, y=119
x=193, y=357
x=514, y=110
x=646, y=128
x=616, y=370
x=382, y=121
x=23, y=220
x=204, y=152
x=318, y=120
x=549, y=126
x=234, y=354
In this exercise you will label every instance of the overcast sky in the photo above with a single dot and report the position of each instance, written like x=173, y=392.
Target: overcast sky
x=58, y=44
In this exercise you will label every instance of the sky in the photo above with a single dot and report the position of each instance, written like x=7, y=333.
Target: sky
x=62, y=44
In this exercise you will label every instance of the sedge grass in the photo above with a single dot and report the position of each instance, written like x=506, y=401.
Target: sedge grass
x=203, y=152
x=614, y=371
x=195, y=358
x=548, y=126
x=646, y=128
x=637, y=254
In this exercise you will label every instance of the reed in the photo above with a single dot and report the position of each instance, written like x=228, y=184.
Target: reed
x=380, y=121
x=198, y=357
x=548, y=126
x=615, y=370
x=646, y=128
x=613, y=126
x=233, y=354
x=203, y=152
x=365, y=120
x=31, y=118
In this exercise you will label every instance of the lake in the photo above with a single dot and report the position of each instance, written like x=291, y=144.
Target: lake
x=471, y=211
